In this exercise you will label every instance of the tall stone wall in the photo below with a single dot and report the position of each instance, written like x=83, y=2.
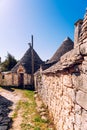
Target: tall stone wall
x=63, y=88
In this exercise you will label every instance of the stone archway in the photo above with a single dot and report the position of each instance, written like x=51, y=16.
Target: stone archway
x=21, y=72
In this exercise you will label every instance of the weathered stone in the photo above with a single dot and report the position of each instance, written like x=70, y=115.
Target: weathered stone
x=80, y=96
x=84, y=120
x=77, y=127
x=85, y=58
x=77, y=109
x=83, y=87
x=41, y=109
x=4, y=127
x=84, y=67
x=83, y=49
x=77, y=80
x=80, y=81
x=43, y=113
x=71, y=94
x=64, y=86
x=71, y=55
x=44, y=118
x=78, y=119
x=67, y=80
x=35, y=96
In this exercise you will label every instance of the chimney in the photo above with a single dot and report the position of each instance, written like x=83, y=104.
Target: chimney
x=77, y=32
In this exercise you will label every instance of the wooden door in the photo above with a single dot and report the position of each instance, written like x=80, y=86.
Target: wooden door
x=21, y=80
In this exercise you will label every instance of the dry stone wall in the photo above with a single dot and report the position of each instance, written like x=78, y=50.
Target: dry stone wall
x=63, y=89
x=6, y=79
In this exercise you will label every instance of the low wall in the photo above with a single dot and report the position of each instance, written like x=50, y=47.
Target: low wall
x=5, y=79
x=11, y=79
x=63, y=88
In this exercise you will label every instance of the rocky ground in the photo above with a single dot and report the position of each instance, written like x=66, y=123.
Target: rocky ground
x=8, y=101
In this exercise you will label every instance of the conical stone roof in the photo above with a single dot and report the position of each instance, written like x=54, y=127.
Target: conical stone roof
x=66, y=46
x=26, y=62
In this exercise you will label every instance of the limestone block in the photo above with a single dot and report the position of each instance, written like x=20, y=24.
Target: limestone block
x=83, y=87
x=64, y=57
x=67, y=80
x=60, y=124
x=81, y=99
x=68, y=122
x=67, y=104
x=71, y=55
x=85, y=40
x=72, y=118
x=80, y=81
x=84, y=66
x=77, y=80
x=84, y=120
x=85, y=58
x=77, y=109
x=75, y=54
x=76, y=127
x=83, y=49
x=66, y=127
x=78, y=119
x=71, y=94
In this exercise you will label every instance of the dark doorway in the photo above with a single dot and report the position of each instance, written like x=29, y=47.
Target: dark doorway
x=21, y=80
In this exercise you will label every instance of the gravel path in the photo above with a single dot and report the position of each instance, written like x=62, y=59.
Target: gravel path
x=35, y=118
x=8, y=102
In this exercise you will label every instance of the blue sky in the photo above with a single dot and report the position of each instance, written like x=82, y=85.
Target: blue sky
x=50, y=21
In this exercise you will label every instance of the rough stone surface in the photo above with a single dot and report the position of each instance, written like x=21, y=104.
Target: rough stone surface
x=65, y=94
x=84, y=120
x=63, y=87
x=67, y=80
x=84, y=67
x=77, y=109
x=81, y=99
x=83, y=49
x=5, y=121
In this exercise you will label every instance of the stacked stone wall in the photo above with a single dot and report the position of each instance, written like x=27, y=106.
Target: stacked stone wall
x=15, y=79
x=63, y=89
x=11, y=79
x=6, y=80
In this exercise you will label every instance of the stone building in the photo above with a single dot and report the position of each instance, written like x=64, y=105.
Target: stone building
x=67, y=45
x=63, y=86
x=21, y=73
x=80, y=35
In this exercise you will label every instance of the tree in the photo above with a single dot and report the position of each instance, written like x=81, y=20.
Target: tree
x=9, y=63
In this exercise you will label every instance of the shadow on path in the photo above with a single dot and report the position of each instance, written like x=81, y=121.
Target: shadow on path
x=8, y=88
x=5, y=120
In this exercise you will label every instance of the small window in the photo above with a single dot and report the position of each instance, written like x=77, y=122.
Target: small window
x=3, y=76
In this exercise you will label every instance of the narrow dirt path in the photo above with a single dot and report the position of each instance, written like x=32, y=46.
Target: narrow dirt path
x=17, y=122
x=13, y=96
x=27, y=111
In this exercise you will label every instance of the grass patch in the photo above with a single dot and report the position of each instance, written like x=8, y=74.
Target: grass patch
x=16, y=110
x=38, y=119
x=37, y=128
x=31, y=119
x=26, y=126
